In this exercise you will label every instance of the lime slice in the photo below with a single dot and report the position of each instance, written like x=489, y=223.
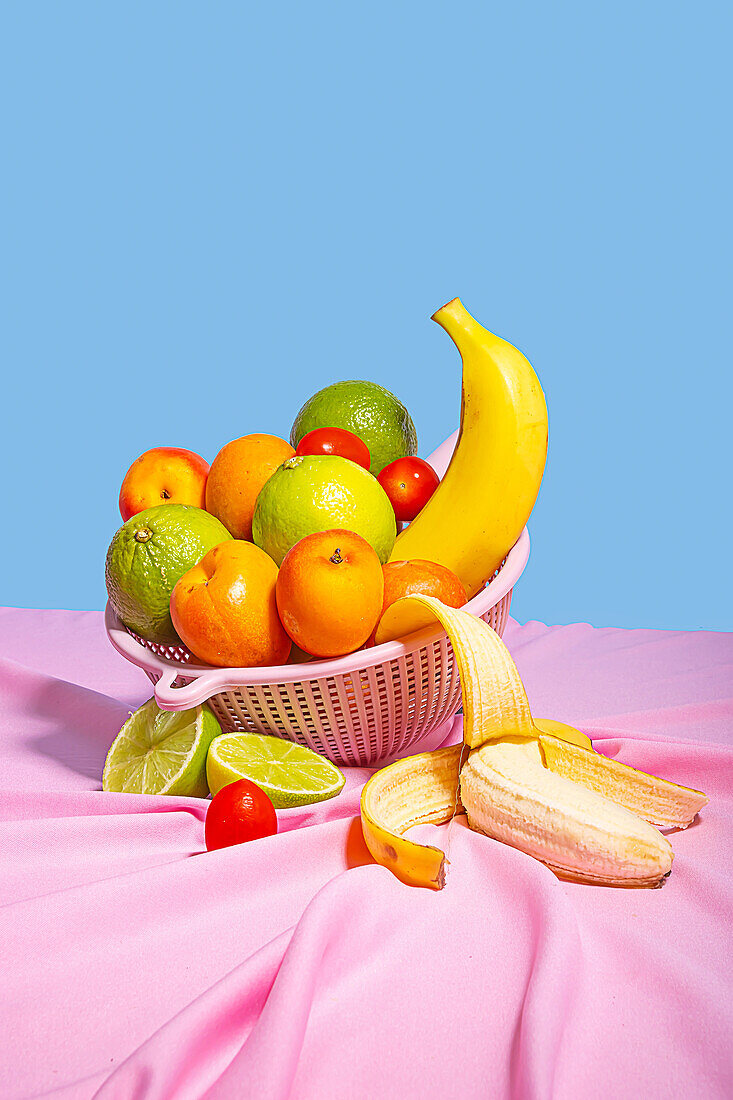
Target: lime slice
x=161, y=752
x=289, y=774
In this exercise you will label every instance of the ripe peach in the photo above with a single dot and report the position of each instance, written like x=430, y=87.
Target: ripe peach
x=237, y=474
x=164, y=475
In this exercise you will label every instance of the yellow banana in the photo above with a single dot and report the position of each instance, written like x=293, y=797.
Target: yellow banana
x=484, y=500
x=535, y=784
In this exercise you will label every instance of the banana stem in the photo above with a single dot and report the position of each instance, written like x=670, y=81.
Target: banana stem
x=461, y=326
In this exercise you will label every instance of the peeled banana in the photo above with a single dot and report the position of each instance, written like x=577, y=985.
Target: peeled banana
x=536, y=785
x=478, y=511
x=510, y=795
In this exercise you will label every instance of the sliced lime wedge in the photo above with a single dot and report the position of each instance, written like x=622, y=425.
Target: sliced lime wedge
x=289, y=774
x=161, y=752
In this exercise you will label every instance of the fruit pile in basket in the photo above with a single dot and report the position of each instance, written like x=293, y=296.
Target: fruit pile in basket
x=289, y=551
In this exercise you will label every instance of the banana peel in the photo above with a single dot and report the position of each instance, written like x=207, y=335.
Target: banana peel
x=419, y=790
x=535, y=785
x=655, y=800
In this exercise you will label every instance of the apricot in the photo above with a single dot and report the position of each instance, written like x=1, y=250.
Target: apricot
x=164, y=475
x=237, y=474
x=224, y=609
x=329, y=592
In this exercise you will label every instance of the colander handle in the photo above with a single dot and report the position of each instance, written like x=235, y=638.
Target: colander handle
x=198, y=691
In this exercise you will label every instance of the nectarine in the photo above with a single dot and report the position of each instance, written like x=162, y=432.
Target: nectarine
x=164, y=475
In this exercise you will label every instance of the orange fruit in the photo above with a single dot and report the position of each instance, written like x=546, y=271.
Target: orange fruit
x=329, y=592
x=420, y=577
x=236, y=476
x=224, y=608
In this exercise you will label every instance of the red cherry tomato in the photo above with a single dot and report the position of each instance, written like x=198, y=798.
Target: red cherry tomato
x=335, y=441
x=239, y=812
x=409, y=483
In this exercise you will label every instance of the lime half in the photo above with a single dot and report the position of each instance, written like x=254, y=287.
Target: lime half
x=161, y=752
x=289, y=774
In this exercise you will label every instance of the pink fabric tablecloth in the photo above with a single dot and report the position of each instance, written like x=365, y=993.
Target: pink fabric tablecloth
x=135, y=965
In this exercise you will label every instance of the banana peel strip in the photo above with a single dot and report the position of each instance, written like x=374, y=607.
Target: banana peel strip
x=655, y=800
x=419, y=790
x=494, y=700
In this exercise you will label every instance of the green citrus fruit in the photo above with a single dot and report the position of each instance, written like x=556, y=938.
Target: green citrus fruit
x=147, y=557
x=366, y=409
x=161, y=752
x=289, y=774
x=317, y=493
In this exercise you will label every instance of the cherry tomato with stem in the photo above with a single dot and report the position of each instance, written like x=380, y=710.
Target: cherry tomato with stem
x=239, y=812
x=335, y=441
x=409, y=483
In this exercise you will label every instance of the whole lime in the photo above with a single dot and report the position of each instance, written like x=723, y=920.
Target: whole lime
x=316, y=493
x=366, y=409
x=147, y=557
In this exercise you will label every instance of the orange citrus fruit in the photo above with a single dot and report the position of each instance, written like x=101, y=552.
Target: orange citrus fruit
x=236, y=476
x=420, y=578
x=329, y=592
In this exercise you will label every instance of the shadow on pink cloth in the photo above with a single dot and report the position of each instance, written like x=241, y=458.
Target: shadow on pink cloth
x=136, y=965
x=82, y=749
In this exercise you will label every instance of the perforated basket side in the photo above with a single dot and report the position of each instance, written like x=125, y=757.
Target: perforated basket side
x=360, y=717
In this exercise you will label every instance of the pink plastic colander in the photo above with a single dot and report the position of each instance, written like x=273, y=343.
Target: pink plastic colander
x=357, y=710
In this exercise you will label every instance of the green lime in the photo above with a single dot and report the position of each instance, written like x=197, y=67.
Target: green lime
x=317, y=493
x=366, y=409
x=147, y=557
x=161, y=752
x=289, y=774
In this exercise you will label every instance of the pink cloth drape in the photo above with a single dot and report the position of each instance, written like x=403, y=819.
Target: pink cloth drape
x=133, y=964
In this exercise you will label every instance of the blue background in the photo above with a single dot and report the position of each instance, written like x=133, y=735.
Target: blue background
x=212, y=210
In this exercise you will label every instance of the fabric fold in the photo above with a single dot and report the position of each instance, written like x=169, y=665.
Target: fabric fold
x=137, y=965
